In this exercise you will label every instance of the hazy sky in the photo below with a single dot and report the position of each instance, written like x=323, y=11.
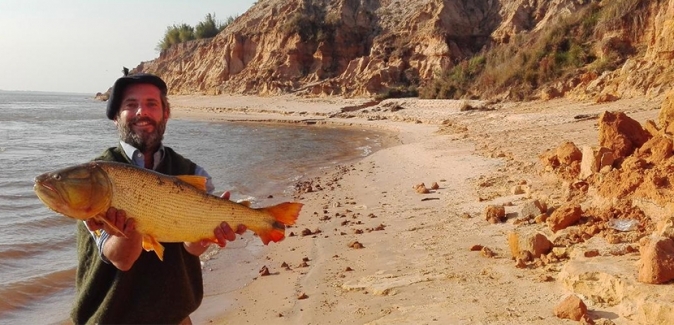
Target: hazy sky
x=81, y=45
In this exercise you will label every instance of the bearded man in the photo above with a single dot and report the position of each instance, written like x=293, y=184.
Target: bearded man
x=118, y=282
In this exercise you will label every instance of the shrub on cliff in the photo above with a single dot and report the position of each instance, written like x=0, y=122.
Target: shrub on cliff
x=207, y=28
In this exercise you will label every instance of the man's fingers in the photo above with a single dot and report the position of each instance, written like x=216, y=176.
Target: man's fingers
x=220, y=237
x=93, y=224
x=240, y=229
x=129, y=225
x=228, y=232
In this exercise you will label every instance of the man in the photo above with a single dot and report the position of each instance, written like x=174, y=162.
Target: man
x=117, y=281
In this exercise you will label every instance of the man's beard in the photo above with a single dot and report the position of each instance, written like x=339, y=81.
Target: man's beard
x=142, y=141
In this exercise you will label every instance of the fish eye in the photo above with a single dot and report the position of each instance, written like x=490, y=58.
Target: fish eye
x=57, y=177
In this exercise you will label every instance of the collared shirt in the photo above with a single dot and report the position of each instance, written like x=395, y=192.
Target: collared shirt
x=138, y=159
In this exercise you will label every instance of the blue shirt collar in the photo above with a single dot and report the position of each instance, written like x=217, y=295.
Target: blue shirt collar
x=137, y=157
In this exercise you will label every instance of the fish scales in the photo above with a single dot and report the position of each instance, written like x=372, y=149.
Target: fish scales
x=177, y=211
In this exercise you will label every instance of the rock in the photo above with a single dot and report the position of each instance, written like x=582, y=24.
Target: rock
x=264, y=271
x=355, y=245
x=594, y=159
x=532, y=209
x=564, y=216
x=605, y=98
x=528, y=240
x=102, y=96
x=421, y=188
x=476, y=248
x=620, y=133
x=567, y=153
x=591, y=253
x=495, y=213
x=518, y=189
x=572, y=308
x=487, y=252
x=656, y=265
x=656, y=150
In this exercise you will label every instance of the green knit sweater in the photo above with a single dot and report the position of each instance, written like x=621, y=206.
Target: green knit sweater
x=152, y=291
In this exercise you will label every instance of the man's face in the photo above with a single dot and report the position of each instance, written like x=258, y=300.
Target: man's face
x=141, y=119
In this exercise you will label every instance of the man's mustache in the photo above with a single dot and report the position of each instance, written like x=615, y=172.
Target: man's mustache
x=144, y=119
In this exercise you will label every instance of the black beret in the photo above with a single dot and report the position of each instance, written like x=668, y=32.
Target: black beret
x=117, y=91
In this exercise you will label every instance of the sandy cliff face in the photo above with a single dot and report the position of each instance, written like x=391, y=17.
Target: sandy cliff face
x=364, y=47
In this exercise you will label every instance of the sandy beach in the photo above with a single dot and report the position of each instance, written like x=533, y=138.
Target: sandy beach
x=369, y=249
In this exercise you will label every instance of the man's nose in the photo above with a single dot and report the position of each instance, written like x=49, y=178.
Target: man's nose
x=142, y=110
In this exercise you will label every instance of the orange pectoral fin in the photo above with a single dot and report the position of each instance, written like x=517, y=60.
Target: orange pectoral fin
x=194, y=180
x=284, y=214
x=151, y=244
x=111, y=225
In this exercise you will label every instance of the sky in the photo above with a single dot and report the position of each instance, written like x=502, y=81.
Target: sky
x=80, y=46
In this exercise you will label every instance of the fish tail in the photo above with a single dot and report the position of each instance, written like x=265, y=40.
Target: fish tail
x=284, y=214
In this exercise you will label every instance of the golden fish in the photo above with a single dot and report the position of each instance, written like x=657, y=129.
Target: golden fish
x=165, y=208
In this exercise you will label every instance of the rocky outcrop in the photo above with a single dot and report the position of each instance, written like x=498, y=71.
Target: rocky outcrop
x=367, y=47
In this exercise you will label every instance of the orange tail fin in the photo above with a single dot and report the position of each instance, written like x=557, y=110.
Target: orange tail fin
x=285, y=214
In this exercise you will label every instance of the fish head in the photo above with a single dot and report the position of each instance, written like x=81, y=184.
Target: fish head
x=79, y=192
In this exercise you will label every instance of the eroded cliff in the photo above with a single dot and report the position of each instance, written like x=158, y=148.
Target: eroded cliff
x=358, y=48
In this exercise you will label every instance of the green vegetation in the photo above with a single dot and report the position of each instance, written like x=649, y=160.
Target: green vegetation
x=311, y=24
x=527, y=62
x=207, y=28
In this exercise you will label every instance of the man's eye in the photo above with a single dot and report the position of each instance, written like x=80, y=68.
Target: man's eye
x=130, y=105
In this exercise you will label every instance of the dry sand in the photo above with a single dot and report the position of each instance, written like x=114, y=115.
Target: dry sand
x=416, y=265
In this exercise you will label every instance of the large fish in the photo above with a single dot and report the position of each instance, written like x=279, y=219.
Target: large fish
x=165, y=208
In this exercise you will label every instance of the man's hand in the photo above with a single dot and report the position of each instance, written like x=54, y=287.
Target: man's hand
x=124, y=246
x=114, y=222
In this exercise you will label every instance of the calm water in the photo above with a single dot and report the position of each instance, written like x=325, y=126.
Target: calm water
x=40, y=132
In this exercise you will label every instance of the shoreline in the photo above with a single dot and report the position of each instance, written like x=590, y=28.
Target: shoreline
x=368, y=249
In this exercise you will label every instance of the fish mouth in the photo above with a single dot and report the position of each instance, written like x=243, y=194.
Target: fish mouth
x=46, y=191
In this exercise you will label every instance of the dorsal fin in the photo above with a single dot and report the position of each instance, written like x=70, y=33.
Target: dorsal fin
x=194, y=180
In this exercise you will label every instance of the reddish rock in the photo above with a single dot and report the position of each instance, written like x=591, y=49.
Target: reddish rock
x=621, y=133
x=421, y=188
x=524, y=241
x=564, y=216
x=567, y=153
x=656, y=150
x=572, y=308
x=264, y=271
x=487, y=252
x=494, y=213
x=591, y=253
x=476, y=248
x=656, y=265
